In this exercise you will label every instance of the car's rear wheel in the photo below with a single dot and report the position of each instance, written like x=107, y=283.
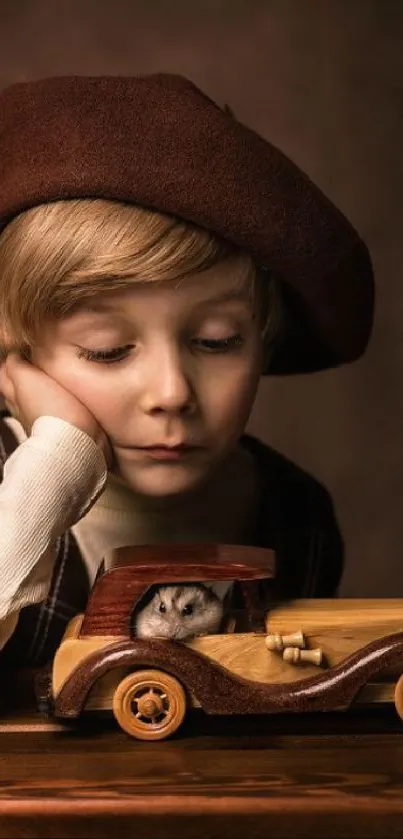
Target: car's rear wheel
x=149, y=704
x=399, y=697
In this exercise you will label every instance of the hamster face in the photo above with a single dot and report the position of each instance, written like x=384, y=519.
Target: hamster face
x=180, y=612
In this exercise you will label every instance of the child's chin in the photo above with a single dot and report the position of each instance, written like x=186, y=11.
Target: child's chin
x=162, y=483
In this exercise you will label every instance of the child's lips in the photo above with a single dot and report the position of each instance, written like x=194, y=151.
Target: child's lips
x=161, y=451
x=169, y=452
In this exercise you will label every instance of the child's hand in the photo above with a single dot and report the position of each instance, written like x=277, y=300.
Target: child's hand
x=30, y=393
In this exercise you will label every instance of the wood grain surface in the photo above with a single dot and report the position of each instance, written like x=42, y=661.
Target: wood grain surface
x=329, y=775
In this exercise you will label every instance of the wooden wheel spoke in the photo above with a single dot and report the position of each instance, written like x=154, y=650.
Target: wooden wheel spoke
x=149, y=704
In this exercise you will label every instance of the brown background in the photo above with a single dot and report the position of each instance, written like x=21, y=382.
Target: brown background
x=323, y=80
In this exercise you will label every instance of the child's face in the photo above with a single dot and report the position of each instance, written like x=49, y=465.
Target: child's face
x=187, y=374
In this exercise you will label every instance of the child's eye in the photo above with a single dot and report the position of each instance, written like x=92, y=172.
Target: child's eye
x=105, y=356
x=211, y=345
x=220, y=344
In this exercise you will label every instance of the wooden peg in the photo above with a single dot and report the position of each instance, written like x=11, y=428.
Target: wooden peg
x=296, y=656
x=279, y=642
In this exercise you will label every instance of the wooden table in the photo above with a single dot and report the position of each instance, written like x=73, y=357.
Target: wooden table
x=338, y=775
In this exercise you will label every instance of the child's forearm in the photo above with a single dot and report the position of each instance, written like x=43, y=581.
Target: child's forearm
x=49, y=483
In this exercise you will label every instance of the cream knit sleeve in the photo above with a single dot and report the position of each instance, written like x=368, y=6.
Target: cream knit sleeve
x=50, y=481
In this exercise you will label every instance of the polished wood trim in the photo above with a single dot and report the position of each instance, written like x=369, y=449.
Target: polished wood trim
x=221, y=692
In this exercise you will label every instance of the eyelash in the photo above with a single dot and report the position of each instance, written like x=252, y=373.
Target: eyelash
x=106, y=356
x=113, y=356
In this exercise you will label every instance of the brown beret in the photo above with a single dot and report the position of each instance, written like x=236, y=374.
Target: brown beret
x=159, y=142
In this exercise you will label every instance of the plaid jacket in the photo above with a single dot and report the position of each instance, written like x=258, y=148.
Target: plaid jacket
x=295, y=518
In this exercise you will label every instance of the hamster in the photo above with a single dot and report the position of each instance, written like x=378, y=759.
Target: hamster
x=180, y=612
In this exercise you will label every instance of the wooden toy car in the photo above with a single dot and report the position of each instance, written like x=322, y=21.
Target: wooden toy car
x=303, y=655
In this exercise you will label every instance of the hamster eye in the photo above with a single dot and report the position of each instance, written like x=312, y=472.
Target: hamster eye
x=162, y=607
x=187, y=610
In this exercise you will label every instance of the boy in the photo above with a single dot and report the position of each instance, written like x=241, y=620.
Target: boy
x=156, y=257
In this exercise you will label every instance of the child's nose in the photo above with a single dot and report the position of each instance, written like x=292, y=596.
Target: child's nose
x=167, y=386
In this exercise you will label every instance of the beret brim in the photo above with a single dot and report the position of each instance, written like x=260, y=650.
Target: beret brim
x=160, y=142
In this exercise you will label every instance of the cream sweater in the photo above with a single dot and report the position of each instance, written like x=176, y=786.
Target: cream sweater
x=57, y=479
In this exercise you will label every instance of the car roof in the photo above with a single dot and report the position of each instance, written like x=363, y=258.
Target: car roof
x=193, y=562
x=132, y=570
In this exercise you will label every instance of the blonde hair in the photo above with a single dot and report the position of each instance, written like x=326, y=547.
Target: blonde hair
x=55, y=255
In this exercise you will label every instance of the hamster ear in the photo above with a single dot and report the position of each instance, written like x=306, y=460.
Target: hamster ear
x=220, y=589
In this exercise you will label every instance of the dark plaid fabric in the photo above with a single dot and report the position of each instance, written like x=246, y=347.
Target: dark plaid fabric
x=295, y=518
x=40, y=627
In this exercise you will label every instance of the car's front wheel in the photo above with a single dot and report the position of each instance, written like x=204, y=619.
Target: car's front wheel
x=149, y=704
